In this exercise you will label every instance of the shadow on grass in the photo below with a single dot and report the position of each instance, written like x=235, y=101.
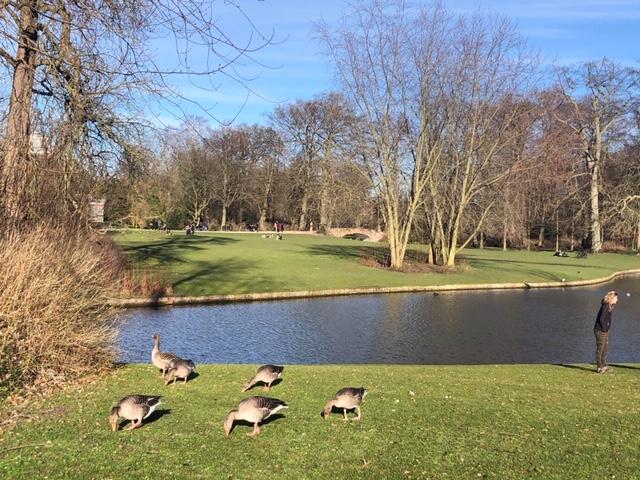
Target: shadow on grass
x=226, y=276
x=222, y=277
x=180, y=381
x=245, y=423
x=262, y=384
x=172, y=249
x=157, y=415
x=475, y=261
x=576, y=367
x=366, y=252
x=628, y=367
x=337, y=410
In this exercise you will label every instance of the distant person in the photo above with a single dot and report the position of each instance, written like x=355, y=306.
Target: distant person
x=601, y=330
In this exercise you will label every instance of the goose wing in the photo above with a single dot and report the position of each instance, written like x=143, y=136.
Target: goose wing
x=352, y=392
x=271, y=369
x=268, y=406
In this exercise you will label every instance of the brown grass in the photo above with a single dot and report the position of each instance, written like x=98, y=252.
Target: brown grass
x=56, y=324
x=145, y=282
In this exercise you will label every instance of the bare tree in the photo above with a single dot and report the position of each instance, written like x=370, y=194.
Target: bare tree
x=315, y=130
x=70, y=60
x=265, y=152
x=195, y=171
x=438, y=99
x=229, y=151
x=602, y=95
x=383, y=53
x=621, y=190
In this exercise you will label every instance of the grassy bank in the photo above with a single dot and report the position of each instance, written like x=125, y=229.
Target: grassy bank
x=220, y=264
x=454, y=422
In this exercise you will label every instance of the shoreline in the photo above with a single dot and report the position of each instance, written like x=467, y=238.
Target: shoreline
x=265, y=296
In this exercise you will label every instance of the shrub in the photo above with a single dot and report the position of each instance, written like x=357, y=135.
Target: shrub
x=56, y=323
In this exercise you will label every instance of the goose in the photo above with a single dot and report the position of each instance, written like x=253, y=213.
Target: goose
x=253, y=410
x=266, y=374
x=179, y=368
x=135, y=408
x=161, y=359
x=346, y=399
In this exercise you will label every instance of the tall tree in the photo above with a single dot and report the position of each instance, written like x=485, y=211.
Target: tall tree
x=601, y=97
x=229, y=151
x=70, y=60
x=434, y=94
x=315, y=131
x=381, y=51
x=265, y=158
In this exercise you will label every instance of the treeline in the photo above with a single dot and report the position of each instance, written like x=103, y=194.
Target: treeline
x=527, y=185
x=445, y=130
x=299, y=170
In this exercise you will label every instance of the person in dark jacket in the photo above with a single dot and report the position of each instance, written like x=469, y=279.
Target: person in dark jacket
x=601, y=330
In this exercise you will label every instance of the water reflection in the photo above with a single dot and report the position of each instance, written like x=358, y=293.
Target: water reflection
x=527, y=326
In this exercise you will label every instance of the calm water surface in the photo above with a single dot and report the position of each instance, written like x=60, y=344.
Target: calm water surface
x=524, y=326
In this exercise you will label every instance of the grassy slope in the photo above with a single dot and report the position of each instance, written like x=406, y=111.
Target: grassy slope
x=462, y=422
x=214, y=263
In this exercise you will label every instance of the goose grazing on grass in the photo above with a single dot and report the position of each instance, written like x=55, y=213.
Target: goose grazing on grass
x=346, y=399
x=161, y=359
x=135, y=408
x=266, y=374
x=179, y=368
x=253, y=410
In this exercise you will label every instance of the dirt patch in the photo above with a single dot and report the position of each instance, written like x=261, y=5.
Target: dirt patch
x=411, y=265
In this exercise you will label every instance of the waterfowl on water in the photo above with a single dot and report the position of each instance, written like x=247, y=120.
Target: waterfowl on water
x=266, y=374
x=179, y=368
x=135, y=408
x=346, y=399
x=253, y=410
x=161, y=359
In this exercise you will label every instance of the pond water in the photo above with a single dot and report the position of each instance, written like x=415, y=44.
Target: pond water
x=522, y=326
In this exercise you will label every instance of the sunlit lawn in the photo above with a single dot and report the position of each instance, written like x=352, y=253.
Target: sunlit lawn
x=216, y=263
x=455, y=422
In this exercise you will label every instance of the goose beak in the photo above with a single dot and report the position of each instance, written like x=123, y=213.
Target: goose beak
x=114, y=424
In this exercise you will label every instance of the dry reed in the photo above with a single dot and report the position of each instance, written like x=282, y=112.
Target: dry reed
x=56, y=324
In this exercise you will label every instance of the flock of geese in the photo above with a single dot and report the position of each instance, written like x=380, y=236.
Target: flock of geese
x=254, y=410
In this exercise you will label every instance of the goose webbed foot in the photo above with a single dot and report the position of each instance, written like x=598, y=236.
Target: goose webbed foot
x=133, y=425
x=359, y=414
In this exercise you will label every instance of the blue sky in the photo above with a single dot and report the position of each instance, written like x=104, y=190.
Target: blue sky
x=563, y=31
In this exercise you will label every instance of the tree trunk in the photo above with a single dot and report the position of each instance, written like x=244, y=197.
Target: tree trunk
x=262, y=222
x=557, y=231
x=223, y=220
x=504, y=237
x=481, y=240
x=541, y=236
x=573, y=239
x=638, y=237
x=596, y=238
x=303, y=213
x=324, y=200
x=15, y=168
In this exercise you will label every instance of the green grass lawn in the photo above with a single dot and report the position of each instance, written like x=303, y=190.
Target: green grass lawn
x=458, y=422
x=218, y=264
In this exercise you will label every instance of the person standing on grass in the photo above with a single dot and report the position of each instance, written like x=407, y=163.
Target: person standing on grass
x=601, y=330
